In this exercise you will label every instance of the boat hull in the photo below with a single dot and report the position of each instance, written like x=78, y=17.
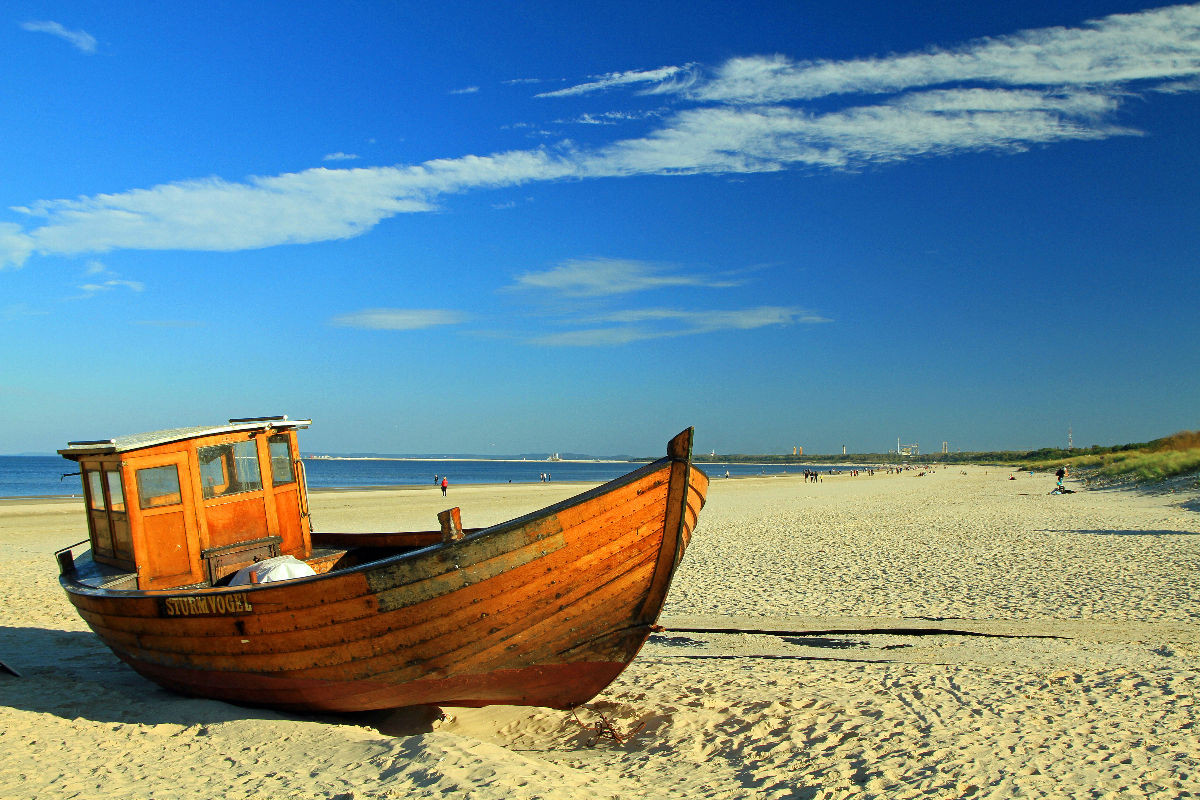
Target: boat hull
x=544, y=610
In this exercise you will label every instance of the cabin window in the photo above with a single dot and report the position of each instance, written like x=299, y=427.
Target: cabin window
x=158, y=486
x=95, y=490
x=281, y=460
x=229, y=469
x=116, y=497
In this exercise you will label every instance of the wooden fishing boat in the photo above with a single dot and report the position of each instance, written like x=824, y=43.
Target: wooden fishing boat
x=544, y=610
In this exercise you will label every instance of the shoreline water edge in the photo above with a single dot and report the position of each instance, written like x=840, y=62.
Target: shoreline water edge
x=52, y=476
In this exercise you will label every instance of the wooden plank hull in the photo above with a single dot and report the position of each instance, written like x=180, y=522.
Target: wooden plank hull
x=543, y=610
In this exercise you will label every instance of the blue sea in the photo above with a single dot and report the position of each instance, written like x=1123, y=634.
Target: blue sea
x=42, y=476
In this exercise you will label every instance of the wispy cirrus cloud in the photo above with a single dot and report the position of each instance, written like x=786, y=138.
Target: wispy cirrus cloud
x=315, y=205
x=93, y=289
x=15, y=245
x=774, y=138
x=624, y=327
x=579, y=325
x=339, y=156
x=82, y=41
x=597, y=277
x=1152, y=46
x=759, y=317
x=605, y=279
x=752, y=114
x=104, y=280
x=611, y=117
x=399, y=319
x=661, y=79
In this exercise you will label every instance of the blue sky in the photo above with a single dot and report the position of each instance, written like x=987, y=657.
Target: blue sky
x=498, y=228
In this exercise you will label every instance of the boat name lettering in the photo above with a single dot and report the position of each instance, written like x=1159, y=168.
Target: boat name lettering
x=204, y=605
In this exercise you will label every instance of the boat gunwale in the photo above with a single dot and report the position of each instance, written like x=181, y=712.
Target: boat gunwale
x=346, y=602
x=74, y=586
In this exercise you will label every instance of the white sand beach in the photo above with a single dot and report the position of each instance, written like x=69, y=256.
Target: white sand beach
x=953, y=635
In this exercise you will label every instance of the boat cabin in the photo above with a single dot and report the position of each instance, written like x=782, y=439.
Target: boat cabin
x=191, y=506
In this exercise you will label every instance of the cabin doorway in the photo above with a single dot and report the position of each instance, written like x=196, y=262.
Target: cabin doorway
x=287, y=479
x=107, y=515
x=169, y=525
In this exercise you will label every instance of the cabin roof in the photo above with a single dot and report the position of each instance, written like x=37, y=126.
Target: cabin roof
x=138, y=441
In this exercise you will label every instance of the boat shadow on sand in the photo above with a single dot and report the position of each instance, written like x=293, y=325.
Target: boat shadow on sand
x=72, y=675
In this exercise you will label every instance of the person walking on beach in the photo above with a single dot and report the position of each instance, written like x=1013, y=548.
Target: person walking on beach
x=445, y=484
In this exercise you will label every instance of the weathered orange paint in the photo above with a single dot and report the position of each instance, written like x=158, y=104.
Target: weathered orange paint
x=546, y=609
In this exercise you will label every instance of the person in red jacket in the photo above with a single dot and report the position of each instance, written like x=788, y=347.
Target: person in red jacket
x=445, y=483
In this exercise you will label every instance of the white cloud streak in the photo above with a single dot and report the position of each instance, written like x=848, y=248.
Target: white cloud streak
x=676, y=78
x=600, y=277
x=717, y=320
x=214, y=214
x=93, y=289
x=82, y=41
x=1124, y=48
x=1004, y=94
x=104, y=279
x=603, y=278
x=399, y=319
x=592, y=278
x=624, y=327
x=15, y=245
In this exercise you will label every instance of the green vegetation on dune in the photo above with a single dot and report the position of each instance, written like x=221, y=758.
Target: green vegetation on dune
x=1150, y=461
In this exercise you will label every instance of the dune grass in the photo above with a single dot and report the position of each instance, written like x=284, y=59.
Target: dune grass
x=1153, y=466
x=1163, y=458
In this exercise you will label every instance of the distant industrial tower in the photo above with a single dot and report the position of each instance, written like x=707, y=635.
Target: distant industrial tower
x=843, y=449
x=945, y=448
x=1070, y=441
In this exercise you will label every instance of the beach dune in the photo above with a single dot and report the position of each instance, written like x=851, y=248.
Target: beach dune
x=958, y=634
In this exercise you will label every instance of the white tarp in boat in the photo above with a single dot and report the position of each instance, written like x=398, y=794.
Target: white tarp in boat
x=280, y=568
